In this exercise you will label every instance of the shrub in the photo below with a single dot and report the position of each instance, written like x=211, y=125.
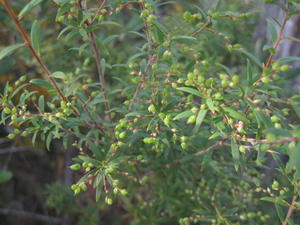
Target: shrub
x=180, y=117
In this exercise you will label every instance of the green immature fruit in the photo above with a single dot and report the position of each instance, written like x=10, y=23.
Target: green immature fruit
x=242, y=149
x=108, y=201
x=14, y=117
x=145, y=13
x=23, y=78
x=275, y=119
x=17, y=131
x=218, y=96
x=191, y=76
x=277, y=125
x=235, y=79
x=83, y=187
x=191, y=119
x=184, y=139
x=122, y=135
x=162, y=116
x=11, y=136
x=123, y=192
x=224, y=83
x=116, y=191
x=7, y=110
x=10, y=89
x=201, y=79
x=194, y=109
x=76, y=166
x=276, y=66
x=14, y=110
x=77, y=191
x=284, y=68
x=187, y=16
x=266, y=80
x=74, y=187
x=151, y=18
x=152, y=108
x=149, y=140
x=184, y=145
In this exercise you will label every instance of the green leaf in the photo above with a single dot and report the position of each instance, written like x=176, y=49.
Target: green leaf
x=199, y=120
x=288, y=59
x=18, y=89
x=185, y=40
x=268, y=199
x=272, y=30
x=249, y=74
x=48, y=140
x=64, y=31
x=190, y=91
x=235, y=153
x=28, y=7
x=161, y=27
x=42, y=103
x=89, y=160
x=296, y=107
x=211, y=105
x=5, y=176
x=293, y=163
x=100, y=24
x=263, y=119
x=98, y=184
x=35, y=36
x=280, y=212
x=41, y=83
x=59, y=75
x=279, y=132
x=137, y=56
x=250, y=56
x=235, y=114
x=8, y=50
x=184, y=114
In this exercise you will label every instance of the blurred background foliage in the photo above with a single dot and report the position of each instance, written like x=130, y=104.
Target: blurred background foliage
x=38, y=192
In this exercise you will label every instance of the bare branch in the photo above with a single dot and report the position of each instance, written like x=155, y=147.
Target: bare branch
x=33, y=216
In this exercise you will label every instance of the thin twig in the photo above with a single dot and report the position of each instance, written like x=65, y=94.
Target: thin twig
x=28, y=43
x=279, y=141
x=291, y=210
x=97, y=56
x=218, y=144
x=33, y=216
x=15, y=149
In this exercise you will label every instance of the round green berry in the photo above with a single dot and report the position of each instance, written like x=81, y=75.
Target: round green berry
x=76, y=166
x=191, y=119
x=151, y=108
x=7, y=110
x=11, y=136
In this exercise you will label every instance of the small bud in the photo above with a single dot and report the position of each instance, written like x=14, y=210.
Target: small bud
x=11, y=136
x=7, y=110
x=151, y=108
x=191, y=119
x=76, y=166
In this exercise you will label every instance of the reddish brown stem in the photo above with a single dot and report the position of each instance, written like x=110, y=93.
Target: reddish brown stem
x=28, y=43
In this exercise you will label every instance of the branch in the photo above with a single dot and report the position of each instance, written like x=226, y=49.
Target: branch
x=101, y=75
x=290, y=211
x=279, y=141
x=27, y=42
x=15, y=149
x=218, y=144
x=212, y=147
x=33, y=216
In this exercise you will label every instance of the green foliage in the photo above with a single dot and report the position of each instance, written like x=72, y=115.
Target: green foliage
x=172, y=116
